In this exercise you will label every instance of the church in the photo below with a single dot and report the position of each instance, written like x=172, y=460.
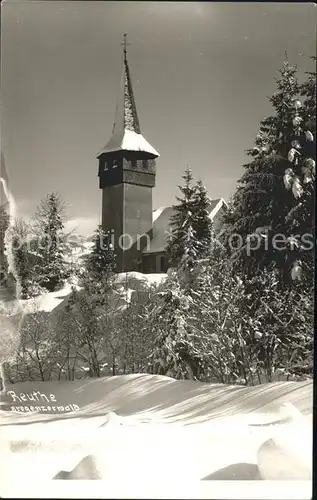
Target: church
x=127, y=171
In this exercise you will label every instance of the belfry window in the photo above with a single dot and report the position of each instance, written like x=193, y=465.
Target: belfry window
x=115, y=164
x=145, y=164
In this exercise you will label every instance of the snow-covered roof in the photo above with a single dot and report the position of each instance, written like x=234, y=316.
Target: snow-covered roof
x=157, y=213
x=126, y=133
x=162, y=224
x=127, y=140
x=216, y=206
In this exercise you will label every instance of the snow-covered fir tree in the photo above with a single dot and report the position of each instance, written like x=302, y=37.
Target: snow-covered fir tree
x=271, y=218
x=182, y=219
x=191, y=235
x=4, y=224
x=23, y=259
x=93, y=306
x=300, y=219
x=217, y=338
x=246, y=329
x=190, y=245
x=49, y=225
x=202, y=223
x=101, y=262
x=172, y=354
x=282, y=325
x=87, y=307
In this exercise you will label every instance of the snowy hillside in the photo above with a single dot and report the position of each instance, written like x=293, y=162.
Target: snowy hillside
x=46, y=302
x=125, y=283
x=77, y=247
x=161, y=435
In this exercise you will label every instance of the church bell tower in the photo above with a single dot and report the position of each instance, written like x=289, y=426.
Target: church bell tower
x=126, y=177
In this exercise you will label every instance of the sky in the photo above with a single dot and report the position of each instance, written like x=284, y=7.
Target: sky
x=201, y=74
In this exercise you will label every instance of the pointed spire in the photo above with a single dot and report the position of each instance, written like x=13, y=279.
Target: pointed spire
x=126, y=132
x=125, y=44
x=130, y=116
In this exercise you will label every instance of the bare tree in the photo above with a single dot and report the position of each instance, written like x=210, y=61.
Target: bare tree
x=38, y=352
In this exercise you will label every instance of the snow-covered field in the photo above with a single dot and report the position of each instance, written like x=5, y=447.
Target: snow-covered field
x=149, y=436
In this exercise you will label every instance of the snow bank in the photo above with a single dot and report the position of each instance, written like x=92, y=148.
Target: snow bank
x=165, y=400
x=138, y=281
x=157, y=433
x=46, y=302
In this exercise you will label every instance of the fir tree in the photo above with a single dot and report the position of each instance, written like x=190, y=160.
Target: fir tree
x=263, y=229
x=22, y=258
x=182, y=219
x=202, y=222
x=95, y=304
x=172, y=352
x=101, y=262
x=300, y=219
x=191, y=235
x=283, y=324
x=49, y=226
x=4, y=224
x=189, y=267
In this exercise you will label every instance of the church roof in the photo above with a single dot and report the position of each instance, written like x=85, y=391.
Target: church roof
x=126, y=132
x=162, y=224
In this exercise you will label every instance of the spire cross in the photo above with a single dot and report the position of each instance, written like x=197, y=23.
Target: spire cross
x=125, y=44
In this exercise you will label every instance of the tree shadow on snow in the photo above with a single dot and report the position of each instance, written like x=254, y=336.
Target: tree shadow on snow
x=161, y=397
x=235, y=472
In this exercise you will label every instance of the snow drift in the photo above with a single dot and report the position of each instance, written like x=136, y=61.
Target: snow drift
x=156, y=432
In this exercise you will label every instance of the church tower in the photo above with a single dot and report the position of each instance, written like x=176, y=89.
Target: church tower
x=126, y=177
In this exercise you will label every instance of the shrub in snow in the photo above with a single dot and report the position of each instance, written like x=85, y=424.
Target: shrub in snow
x=172, y=354
x=134, y=334
x=237, y=330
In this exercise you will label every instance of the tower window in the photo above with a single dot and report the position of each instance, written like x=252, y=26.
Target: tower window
x=133, y=163
x=105, y=166
x=115, y=164
x=145, y=164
